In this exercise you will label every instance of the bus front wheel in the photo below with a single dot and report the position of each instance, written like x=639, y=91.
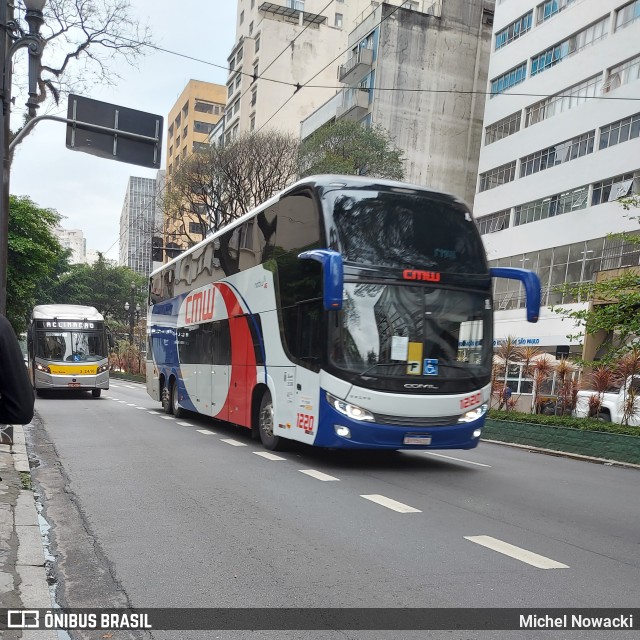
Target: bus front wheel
x=265, y=424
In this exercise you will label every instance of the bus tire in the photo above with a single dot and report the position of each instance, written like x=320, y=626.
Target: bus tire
x=176, y=409
x=96, y=392
x=166, y=397
x=265, y=425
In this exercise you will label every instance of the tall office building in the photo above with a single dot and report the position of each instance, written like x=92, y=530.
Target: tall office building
x=74, y=240
x=138, y=224
x=415, y=70
x=561, y=144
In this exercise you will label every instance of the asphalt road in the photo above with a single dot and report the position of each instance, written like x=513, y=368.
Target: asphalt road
x=149, y=511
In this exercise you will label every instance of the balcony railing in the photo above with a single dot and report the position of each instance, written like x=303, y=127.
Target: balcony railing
x=356, y=67
x=355, y=104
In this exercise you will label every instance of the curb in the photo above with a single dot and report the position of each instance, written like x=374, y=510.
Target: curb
x=28, y=569
x=565, y=454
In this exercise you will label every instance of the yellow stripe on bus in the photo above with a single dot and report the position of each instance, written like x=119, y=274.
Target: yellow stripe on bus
x=73, y=370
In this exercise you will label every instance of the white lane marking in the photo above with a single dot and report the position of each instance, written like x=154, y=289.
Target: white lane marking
x=143, y=408
x=516, y=552
x=130, y=404
x=122, y=401
x=232, y=442
x=114, y=386
x=206, y=433
x=391, y=504
x=130, y=387
x=184, y=424
x=167, y=418
x=318, y=475
x=268, y=456
x=440, y=455
x=154, y=413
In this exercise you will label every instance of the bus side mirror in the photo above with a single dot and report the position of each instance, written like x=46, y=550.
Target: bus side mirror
x=110, y=340
x=531, y=284
x=332, y=272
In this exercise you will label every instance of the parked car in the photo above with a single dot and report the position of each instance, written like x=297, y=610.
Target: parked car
x=613, y=404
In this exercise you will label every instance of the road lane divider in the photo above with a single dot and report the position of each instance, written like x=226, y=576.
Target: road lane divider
x=268, y=456
x=184, y=424
x=390, y=503
x=318, y=475
x=205, y=432
x=440, y=455
x=534, y=559
x=232, y=442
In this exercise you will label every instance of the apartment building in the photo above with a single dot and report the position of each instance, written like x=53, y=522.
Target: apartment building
x=414, y=68
x=561, y=145
x=74, y=240
x=137, y=224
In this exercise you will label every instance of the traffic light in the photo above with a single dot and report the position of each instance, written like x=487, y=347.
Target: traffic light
x=156, y=249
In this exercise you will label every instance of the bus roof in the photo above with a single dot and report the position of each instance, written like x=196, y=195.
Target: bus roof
x=320, y=183
x=66, y=312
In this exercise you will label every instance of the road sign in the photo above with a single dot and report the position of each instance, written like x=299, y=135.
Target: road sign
x=113, y=132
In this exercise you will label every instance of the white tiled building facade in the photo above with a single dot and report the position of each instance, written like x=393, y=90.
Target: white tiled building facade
x=561, y=143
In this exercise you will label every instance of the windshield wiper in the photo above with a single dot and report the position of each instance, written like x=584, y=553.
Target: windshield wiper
x=379, y=364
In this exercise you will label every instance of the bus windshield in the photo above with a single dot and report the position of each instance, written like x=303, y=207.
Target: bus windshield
x=407, y=231
x=71, y=346
x=417, y=332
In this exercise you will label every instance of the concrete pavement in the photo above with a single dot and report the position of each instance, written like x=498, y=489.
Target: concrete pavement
x=23, y=576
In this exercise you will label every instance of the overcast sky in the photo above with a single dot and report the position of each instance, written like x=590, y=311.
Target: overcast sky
x=87, y=190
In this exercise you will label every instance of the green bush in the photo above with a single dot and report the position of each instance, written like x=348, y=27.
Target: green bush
x=584, y=424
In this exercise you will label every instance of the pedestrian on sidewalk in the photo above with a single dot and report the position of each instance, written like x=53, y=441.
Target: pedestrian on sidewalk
x=16, y=392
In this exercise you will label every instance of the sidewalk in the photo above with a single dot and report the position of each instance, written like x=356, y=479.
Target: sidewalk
x=23, y=578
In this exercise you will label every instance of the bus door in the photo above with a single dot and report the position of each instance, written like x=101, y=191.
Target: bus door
x=217, y=373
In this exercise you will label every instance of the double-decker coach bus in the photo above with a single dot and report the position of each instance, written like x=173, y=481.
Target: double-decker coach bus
x=343, y=312
x=68, y=349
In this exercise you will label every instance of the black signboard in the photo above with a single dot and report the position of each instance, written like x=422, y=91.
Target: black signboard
x=117, y=133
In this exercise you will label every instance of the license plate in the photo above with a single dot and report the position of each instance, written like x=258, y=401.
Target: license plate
x=417, y=440
x=73, y=384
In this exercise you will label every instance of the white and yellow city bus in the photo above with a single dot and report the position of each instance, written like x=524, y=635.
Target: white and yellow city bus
x=68, y=349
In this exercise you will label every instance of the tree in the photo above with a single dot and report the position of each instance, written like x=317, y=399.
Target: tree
x=35, y=256
x=615, y=307
x=102, y=285
x=84, y=39
x=350, y=148
x=218, y=184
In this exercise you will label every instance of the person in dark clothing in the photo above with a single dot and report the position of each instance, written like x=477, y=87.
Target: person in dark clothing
x=16, y=392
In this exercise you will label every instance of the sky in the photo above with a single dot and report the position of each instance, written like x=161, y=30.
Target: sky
x=89, y=191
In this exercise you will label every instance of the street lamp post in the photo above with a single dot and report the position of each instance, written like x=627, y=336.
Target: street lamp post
x=132, y=310
x=12, y=38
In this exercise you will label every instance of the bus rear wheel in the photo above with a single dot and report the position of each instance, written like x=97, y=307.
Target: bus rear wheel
x=265, y=425
x=167, y=390
x=176, y=409
x=96, y=392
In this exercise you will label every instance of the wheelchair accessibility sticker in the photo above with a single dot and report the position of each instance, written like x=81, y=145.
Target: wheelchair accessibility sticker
x=430, y=367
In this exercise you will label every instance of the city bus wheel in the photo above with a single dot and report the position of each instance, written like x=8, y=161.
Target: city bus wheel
x=166, y=398
x=96, y=392
x=177, y=410
x=265, y=424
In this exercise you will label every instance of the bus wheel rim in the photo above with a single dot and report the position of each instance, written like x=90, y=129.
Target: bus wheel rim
x=266, y=419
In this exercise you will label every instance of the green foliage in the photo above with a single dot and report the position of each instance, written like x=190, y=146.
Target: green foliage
x=584, y=424
x=35, y=256
x=349, y=148
x=103, y=285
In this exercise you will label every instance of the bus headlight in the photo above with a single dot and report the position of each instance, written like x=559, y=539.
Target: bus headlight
x=102, y=368
x=474, y=414
x=350, y=410
x=43, y=368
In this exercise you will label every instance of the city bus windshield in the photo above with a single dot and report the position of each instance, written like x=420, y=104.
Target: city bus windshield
x=404, y=230
x=71, y=346
x=420, y=333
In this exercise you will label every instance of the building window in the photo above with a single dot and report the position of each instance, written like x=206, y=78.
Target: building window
x=203, y=107
x=627, y=14
x=568, y=47
x=548, y=9
x=252, y=125
x=494, y=222
x=513, y=31
x=620, y=131
x=412, y=6
x=230, y=90
x=203, y=127
x=197, y=228
x=500, y=175
x=257, y=44
x=253, y=3
x=239, y=56
x=296, y=4
x=251, y=27
x=177, y=141
x=509, y=79
x=555, y=205
x=241, y=17
x=338, y=20
x=613, y=188
x=564, y=100
x=502, y=128
x=238, y=80
x=170, y=131
x=200, y=147
x=170, y=152
x=255, y=72
x=557, y=154
x=185, y=131
x=254, y=97
x=624, y=73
